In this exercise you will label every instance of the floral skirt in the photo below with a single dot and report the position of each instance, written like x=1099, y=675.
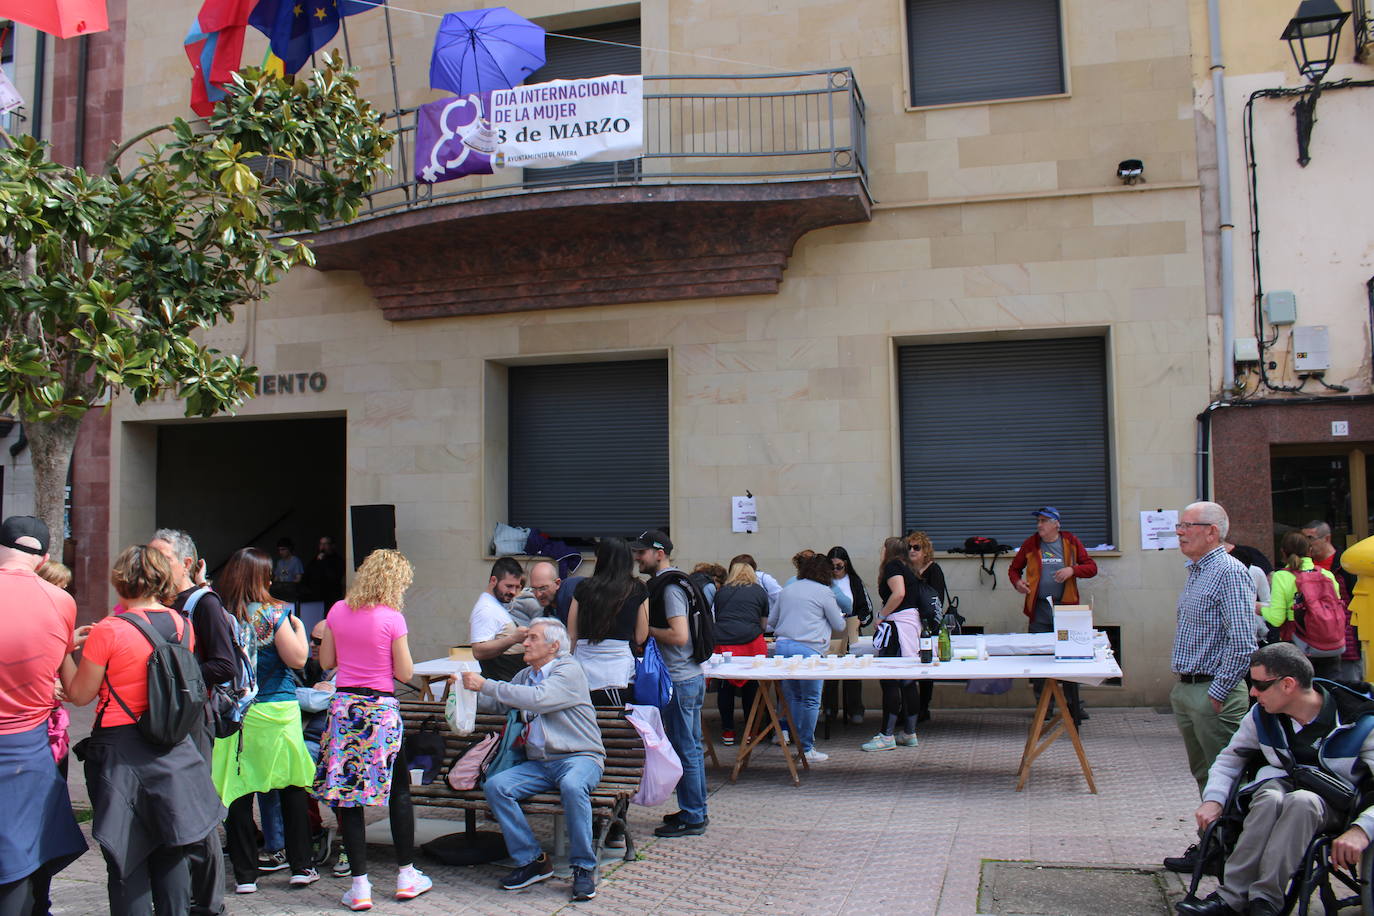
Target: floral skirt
x=357, y=751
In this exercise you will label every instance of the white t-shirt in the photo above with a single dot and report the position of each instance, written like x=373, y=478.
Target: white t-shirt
x=845, y=587
x=489, y=618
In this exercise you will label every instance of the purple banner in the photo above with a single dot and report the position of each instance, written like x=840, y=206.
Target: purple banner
x=454, y=137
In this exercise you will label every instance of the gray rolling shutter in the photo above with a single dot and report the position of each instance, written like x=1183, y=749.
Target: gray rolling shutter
x=589, y=448
x=570, y=59
x=972, y=50
x=991, y=431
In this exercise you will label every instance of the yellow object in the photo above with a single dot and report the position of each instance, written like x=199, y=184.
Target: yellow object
x=1359, y=559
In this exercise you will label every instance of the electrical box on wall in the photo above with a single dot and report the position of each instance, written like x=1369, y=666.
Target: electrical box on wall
x=1247, y=350
x=1311, y=348
x=1281, y=307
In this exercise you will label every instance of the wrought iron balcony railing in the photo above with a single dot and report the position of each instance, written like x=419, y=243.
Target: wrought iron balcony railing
x=698, y=129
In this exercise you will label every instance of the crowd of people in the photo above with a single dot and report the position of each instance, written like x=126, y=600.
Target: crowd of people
x=296, y=715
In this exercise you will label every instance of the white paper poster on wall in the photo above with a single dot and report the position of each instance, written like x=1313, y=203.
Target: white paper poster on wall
x=744, y=515
x=1157, y=531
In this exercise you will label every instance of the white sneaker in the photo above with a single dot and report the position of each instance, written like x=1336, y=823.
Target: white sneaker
x=410, y=889
x=906, y=740
x=357, y=903
x=250, y=888
x=305, y=878
x=815, y=756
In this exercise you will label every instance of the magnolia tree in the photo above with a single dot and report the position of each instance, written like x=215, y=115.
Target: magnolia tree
x=104, y=277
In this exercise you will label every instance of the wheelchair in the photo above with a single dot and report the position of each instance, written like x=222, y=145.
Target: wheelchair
x=1336, y=888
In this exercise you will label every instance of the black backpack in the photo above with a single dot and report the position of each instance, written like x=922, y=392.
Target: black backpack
x=701, y=622
x=176, y=688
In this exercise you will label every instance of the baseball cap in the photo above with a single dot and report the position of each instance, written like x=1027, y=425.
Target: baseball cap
x=652, y=540
x=1046, y=512
x=24, y=526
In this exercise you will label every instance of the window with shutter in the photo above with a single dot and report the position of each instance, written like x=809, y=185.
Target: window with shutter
x=979, y=50
x=588, y=448
x=992, y=430
x=580, y=57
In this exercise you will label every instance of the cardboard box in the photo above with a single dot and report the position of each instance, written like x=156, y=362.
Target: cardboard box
x=1073, y=633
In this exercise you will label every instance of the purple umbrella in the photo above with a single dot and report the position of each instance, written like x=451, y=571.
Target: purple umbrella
x=481, y=50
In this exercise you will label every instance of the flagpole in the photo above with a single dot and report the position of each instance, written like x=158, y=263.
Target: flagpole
x=396, y=91
x=348, y=50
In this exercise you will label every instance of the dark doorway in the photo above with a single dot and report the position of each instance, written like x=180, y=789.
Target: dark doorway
x=1323, y=484
x=247, y=483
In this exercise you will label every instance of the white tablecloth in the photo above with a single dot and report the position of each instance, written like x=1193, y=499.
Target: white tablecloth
x=846, y=668
x=443, y=667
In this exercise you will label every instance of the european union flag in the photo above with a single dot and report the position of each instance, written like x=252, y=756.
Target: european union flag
x=298, y=28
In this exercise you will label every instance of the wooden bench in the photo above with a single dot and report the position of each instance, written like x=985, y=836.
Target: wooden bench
x=610, y=799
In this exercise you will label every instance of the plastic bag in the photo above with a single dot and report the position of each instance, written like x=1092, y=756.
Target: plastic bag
x=460, y=709
x=662, y=768
x=509, y=541
x=653, y=684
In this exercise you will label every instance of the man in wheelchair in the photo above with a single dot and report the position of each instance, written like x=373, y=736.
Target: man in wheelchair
x=1315, y=744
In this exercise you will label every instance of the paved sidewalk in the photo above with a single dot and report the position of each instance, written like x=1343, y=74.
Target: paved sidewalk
x=901, y=831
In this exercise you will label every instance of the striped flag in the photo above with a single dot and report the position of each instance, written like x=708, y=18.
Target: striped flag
x=215, y=48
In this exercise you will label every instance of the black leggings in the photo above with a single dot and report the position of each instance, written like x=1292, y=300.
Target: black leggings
x=27, y=896
x=901, y=700
x=725, y=701
x=243, y=844
x=353, y=829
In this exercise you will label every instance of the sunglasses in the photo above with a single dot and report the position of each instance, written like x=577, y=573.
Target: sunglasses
x=1261, y=686
x=315, y=641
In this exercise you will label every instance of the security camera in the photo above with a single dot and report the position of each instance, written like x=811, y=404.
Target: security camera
x=1130, y=171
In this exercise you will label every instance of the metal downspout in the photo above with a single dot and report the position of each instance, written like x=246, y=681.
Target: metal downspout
x=1225, y=226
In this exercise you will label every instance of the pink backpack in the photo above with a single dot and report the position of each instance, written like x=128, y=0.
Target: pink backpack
x=467, y=769
x=1318, y=612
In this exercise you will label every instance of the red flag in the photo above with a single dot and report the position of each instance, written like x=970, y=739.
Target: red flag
x=63, y=18
x=215, y=47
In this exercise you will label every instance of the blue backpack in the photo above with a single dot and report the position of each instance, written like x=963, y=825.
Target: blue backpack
x=228, y=702
x=653, y=684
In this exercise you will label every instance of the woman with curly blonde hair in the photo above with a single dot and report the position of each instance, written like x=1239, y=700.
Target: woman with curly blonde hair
x=361, y=757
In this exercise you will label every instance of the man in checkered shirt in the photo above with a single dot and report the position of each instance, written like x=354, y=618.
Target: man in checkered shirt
x=1214, y=640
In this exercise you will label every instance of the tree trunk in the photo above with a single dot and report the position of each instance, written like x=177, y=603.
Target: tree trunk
x=51, y=443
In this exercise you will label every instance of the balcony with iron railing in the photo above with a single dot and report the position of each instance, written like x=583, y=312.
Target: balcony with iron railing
x=735, y=170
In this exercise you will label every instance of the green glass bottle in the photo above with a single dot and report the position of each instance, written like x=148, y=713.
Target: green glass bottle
x=946, y=653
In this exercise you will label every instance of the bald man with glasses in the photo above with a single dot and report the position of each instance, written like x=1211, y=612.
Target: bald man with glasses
x=1214, y=639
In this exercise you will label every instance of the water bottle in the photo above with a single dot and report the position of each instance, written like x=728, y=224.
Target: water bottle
x=946, y=651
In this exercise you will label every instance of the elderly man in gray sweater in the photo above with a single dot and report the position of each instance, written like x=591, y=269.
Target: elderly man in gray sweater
x=563, y=751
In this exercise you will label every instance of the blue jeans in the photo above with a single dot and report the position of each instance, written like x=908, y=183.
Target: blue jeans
x=273, y=830
x=803, y=697
x=574, y=777
x=682, y=724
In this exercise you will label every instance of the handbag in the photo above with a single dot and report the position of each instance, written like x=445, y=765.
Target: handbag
x=1338, y=795
x=510, y=749
x=425, y=749
x=467, y=769
x=653, y=684
x=662, y=766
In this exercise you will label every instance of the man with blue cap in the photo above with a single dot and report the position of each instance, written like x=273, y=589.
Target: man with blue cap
x=1046, y=570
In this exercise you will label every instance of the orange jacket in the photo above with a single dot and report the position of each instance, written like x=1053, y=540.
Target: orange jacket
x=1028, y=559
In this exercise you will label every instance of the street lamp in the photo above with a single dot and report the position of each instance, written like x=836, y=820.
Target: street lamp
x=1313, y=35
